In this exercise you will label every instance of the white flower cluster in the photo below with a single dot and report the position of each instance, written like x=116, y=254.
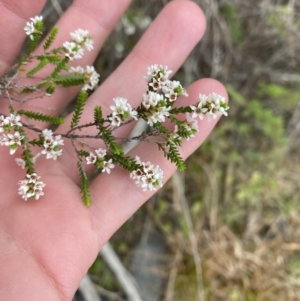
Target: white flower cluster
x=51, y=144
x=91, y=76
x=74, y=49
x=121, y=111
x=31, y=187
x=148, y=177
x=155, y=107
x=99, y=160
x=31, y=26
x=162, y=93
x=157, y=76
x=11, y=137
x=190, y=125
x=210, y=105
x=172, y=89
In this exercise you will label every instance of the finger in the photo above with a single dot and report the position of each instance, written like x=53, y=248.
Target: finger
x=13, y=16
x=122, y=197
x=99, y=19
x=168, y=41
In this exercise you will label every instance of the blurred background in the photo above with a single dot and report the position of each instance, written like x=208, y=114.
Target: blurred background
x=228, y=228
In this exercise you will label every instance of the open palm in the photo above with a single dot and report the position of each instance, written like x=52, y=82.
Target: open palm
x=46, y=246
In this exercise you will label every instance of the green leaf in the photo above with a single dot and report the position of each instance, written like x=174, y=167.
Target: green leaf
x=42, y=117
x=43, y=62
x=81, y=99
x=51, y=37
x=126, y=162
x=69, y=80
x=84, y=184
x=37, y=35
x=180, y=110
x=62, y=65
x=36, y=142
x=174, y=156
x=109, y=139
x=98, y=115
x=26, y=155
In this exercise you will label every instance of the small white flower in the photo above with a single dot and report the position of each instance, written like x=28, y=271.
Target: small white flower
x=32, y=178
x=51, y=144
x=58, y=140
x=36, y=19
x=92, y=78
x=147, y=176
x=73, y=50
x=29, y=29
x=30, y=187
x=47, y=133
x=115, y=120
x=173, y=89
x=4, y=123
x=191, y=125
x=151, y=99
x=157, y=76
x=121, y=111
x=210, y=105
x=100, y=152
x=77, y=69
x=107, y=166
x=89, y=44
x=13, y=141
x=30, y=26
x=51, y=152
x=152, y=72
x=79, y=35
x=15, y=120
x=20, y=162
x=91, y=159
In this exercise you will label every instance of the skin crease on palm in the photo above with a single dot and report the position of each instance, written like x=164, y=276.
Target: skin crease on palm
x=47, y=246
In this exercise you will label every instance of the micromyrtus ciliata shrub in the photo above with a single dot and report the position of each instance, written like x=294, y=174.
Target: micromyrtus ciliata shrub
x=19, y=85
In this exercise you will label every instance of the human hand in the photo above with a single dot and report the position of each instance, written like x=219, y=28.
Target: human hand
x=46, y=246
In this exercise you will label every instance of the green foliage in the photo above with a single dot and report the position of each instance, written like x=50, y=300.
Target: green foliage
x=69, y=80
x=174, y=156
x=51, y=37
x=62, y=65
x=27, y=154
x=81, y=99
x=36, y=142
x=32, y=44
x=235, y=95
x=110, y=140
x=276, y=20
x=231, y=15
x=42, y=117
x=264, y=120
x=53, y=59
x=179, y=110
x=286, y=98
x=98, y=119
x=50, y=89
x=126, y=162
x=43, y=62
x=84, y=184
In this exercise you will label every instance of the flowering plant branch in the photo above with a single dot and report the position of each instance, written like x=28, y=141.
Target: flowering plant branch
x=168, y=124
